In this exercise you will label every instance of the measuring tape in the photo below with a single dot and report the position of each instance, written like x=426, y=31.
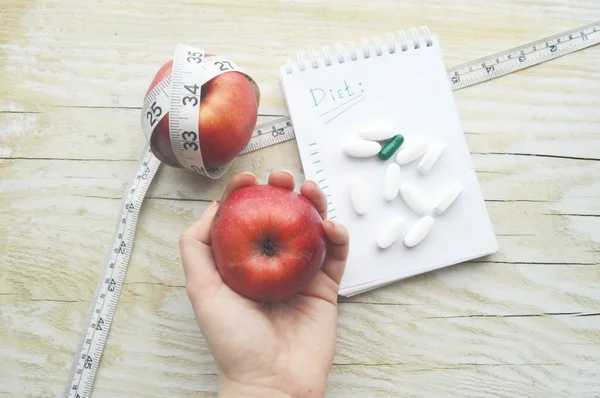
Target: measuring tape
x=178, y=94
x=524, y=56
x=185, y=82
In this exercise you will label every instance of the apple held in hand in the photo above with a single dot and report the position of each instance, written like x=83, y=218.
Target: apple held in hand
x=228, y=114
x=268, y=242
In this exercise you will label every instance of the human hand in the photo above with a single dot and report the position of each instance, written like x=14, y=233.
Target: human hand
x=276, y=349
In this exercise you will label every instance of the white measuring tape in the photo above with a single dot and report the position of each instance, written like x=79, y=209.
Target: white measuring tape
x=179, y=95
x=524, y=56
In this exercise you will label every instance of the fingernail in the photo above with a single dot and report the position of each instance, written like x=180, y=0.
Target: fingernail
x=330, y=223
x=247, y=173
x=287, y=171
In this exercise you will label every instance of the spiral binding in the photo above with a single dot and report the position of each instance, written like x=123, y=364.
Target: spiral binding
x=397, y=41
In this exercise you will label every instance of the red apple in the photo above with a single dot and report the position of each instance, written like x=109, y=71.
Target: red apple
x=268, y=242
x=228, y=113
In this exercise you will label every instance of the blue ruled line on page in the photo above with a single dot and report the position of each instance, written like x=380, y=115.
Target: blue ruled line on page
x=352, y=105
x=339, y=106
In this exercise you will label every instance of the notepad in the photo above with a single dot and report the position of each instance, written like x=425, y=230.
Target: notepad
x=397, y=82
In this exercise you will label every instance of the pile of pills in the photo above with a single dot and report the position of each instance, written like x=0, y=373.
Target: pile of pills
x=386, y=144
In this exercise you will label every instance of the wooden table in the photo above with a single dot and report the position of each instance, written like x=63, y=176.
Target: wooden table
x=522, y=323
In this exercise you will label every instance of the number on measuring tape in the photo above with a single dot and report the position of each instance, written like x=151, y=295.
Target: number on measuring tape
x=224, y=65
x=195, y=57
x=192, y=89
x=193, y=100
x=156, y=106
x=153, y=115
x=183, y=120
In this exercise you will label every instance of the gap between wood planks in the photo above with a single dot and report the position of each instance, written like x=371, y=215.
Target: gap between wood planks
x=275, y=115
x=460, y=366
x=492, y=200
x=139, y=108
x=342, y=303
x=540, y=155
x=487, y=200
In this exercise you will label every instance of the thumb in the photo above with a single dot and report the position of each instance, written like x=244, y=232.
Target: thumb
x=196, y=255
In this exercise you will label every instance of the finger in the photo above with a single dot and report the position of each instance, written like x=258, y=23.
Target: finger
x=239, y=181
x=311, y=190
x=199, y=267
x=283, y=179
x=196, y=254
x=337, y=250
x=200, y=229
x=322, y=287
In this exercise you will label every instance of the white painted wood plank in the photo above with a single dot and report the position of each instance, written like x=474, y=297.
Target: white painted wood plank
x=563, y=184
x=106, y=53
x=155, y=349
x=62, y=239
x=115, y=134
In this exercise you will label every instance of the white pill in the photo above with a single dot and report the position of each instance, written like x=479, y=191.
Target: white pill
x=391, y=183
x=410, y=150
x=390, y=232
x=358, y=195
x=418, y=232
x=434, y=150
x=448, y=197
x=361, y=148
x=377, y=135
x=414, y=199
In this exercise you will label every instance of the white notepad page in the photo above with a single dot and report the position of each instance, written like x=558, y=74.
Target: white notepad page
x=409, y=92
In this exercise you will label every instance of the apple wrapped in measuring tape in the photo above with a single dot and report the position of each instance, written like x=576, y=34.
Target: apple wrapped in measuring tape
x=227, y=117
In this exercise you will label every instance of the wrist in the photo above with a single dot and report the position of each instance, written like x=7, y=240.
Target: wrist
x=255, y=388
x=233, y=389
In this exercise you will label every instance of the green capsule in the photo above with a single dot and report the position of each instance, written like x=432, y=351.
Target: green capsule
x=391, y=147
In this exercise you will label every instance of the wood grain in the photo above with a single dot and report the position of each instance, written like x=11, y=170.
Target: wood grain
x=521, y=323
x=115, y=133
x=106, y=52
x=529, y=227
x=76, y=217
x=384, y=347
